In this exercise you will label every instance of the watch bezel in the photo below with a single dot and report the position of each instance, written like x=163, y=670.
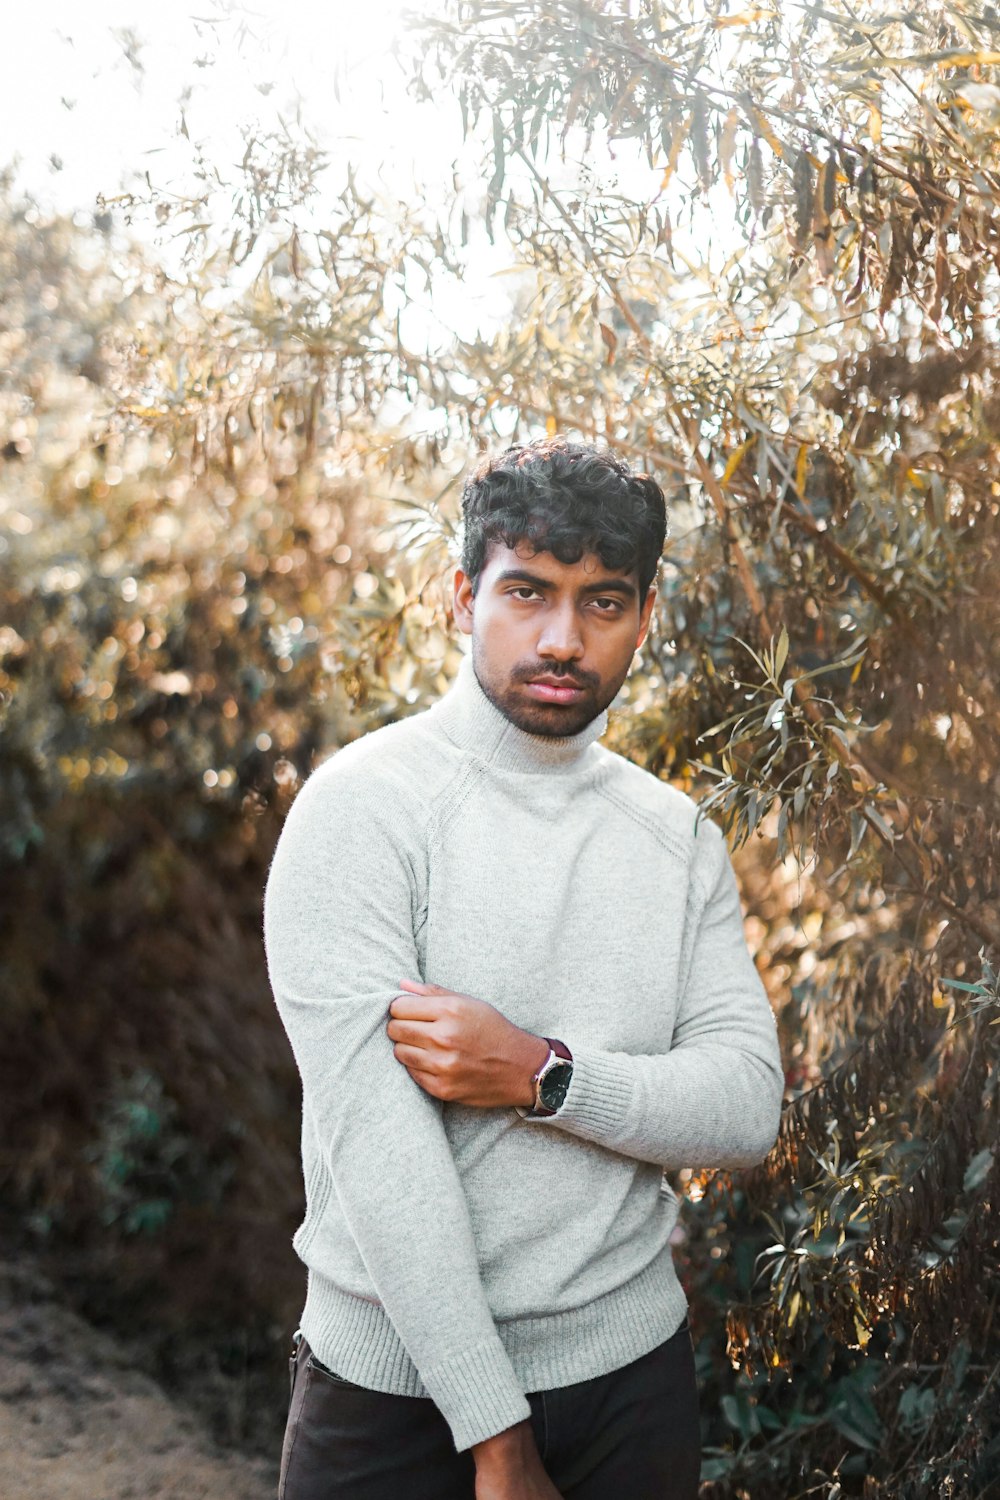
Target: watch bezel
x=557, y=1080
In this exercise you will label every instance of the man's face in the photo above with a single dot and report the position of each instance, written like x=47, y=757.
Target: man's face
x=576, y=624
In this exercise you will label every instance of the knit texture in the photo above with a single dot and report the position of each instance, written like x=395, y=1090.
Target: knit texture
x=468, y=1254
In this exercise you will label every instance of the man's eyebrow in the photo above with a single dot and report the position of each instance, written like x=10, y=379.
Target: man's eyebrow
x=608, y=586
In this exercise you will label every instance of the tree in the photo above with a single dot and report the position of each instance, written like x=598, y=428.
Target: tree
x=817, y=387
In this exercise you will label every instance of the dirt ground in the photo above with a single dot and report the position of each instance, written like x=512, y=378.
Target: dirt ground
x=78, y=1422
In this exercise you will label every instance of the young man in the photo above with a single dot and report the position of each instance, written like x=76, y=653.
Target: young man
x=514, y=977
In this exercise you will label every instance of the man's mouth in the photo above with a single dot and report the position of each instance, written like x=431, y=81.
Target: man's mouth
x=555, y=689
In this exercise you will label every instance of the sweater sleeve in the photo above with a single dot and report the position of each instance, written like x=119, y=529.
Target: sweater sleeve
x=714, y=1099
x=340, y=908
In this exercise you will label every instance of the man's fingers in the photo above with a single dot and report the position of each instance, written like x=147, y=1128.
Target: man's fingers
x=414, y=1008
x=415, y=1033
x=410, y=1056
x=429, y=1082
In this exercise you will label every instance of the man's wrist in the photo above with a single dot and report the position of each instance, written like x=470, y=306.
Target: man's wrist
x=531, y=1054
x=506, y=1451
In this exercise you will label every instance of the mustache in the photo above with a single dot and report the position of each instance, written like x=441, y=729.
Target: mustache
x=567, y=679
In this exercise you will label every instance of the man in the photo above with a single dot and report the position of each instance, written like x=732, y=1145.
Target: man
x=512, y=969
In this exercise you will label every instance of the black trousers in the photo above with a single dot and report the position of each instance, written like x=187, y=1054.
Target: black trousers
x=634, y=1432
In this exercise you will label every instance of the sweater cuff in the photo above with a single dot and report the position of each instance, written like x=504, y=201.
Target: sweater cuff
x=478, y=1393
x=597, y=1101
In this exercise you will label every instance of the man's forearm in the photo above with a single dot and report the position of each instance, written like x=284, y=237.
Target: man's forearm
x=530, y=1056
x=712, y=1096
x=708, y=1105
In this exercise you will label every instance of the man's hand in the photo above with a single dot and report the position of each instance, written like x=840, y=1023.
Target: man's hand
x=508, y=1467
x=462, y=1049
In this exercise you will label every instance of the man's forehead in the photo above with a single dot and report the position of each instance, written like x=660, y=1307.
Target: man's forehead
x=502, y=557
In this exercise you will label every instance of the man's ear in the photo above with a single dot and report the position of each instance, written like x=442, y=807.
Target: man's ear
x=646, y=614
x=462, y=601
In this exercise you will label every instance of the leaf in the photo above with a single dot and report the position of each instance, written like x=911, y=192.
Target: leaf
x=755, y=177
x=956, y=58
x=858, y=830
x=677, y=139
x=855, y=1416
x=960, y=984
x=876, y=818
x=978, y=1169
x=829, y=197
x=765, y=130
x=735, y=458
x=781, y=653
x=916, y=1407
x=802, y=187
x=727, y=143
x=801, y=469
x=740, y=1415
x=499, y=156
x=699, y=141
x=745, y=18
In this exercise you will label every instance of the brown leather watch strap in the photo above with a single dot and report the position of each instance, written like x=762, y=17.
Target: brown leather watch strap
x=559, y=1048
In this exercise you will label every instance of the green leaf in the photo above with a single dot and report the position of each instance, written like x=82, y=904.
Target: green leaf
x=859, y=1432
x=978, y=1169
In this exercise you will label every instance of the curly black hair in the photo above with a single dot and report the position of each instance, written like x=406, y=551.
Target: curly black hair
x=567, y=499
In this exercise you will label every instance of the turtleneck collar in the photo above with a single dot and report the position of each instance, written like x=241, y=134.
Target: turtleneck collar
x=473, y=722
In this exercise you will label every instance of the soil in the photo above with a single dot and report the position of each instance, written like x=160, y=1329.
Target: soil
x=78, y=1420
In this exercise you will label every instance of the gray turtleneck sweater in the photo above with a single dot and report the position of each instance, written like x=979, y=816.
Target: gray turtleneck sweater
x=467, y=1254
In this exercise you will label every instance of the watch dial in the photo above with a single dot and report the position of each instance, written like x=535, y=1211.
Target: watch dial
x=555, y=1085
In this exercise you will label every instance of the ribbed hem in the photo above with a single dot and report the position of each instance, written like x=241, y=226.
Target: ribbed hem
x=598, y=1097
x=478, y=1393
x=355, y=1337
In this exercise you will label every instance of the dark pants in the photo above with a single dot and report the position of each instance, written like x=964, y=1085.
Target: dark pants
x=632, y=1433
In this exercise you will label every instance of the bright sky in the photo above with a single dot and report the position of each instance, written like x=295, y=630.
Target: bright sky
x=93, y=96
x=72, y=93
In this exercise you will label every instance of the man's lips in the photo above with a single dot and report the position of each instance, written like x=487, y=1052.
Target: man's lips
x=555, y=689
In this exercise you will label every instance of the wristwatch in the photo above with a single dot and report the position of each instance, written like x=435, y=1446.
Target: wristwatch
x=551, y=1081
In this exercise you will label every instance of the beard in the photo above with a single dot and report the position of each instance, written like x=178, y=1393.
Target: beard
x=554, y=720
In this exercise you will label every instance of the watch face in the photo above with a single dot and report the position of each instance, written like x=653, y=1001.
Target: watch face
x=555, y=1084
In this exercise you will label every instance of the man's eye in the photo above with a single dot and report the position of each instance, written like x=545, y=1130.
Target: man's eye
x=614, y=602
x=524, y=589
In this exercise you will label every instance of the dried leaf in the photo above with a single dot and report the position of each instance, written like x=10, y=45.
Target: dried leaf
x=699, y=141
x=727, y=143
x=677, y=140
x=802, y=187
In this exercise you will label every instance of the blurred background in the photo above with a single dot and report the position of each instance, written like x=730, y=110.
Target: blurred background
x=272, y=278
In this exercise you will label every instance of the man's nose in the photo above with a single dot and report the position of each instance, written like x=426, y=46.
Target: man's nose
x=561, y=639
